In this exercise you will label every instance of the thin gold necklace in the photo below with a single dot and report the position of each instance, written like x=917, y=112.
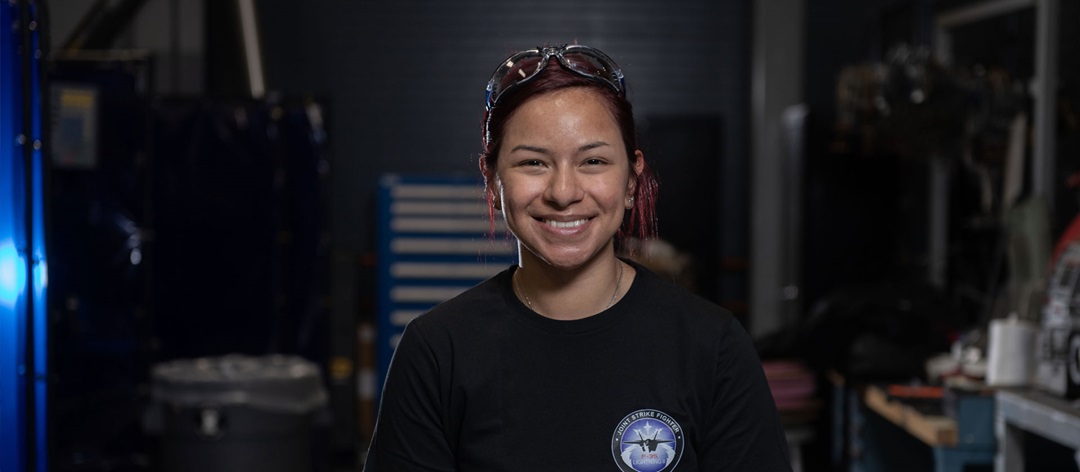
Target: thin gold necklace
x=525, y=295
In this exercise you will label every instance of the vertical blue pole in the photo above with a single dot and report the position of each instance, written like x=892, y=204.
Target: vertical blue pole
x=29, y=146
x=23, y=329
x=12, y=266
x=38, y=273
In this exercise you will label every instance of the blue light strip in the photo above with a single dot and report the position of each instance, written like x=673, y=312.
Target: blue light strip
x=16, y=251
x=12, y=268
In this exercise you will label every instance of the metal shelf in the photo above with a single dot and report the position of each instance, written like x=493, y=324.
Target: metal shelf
x=1038, y=412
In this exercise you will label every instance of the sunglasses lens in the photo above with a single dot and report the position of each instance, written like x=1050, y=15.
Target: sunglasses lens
x=589, y=64
x=523, y=66
x=516, y=69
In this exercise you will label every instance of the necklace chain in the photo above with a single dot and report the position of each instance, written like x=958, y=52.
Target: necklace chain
x=618, y=282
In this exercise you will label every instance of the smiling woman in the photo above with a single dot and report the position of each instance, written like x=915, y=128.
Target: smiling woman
x=573, y=359
x=563, y=184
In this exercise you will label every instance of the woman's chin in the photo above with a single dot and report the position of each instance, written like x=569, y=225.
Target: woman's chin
x=566, y=260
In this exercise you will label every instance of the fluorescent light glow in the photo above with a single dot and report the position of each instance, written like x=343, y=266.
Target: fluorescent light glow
x=41, y=279
x=12, y=274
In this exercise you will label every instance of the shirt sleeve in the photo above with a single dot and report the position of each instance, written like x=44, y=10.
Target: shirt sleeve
x=744, y=433
x=409, y=432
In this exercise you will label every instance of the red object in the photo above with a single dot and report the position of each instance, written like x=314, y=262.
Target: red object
x=1072, y=233
x=791, y=383
x=915, y=391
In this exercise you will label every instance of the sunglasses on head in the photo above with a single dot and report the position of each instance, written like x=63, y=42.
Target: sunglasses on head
x=582, y=60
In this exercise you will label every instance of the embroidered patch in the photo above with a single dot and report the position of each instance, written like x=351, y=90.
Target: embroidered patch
x=647, y=441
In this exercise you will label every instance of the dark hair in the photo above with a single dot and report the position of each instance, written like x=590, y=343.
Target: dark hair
x=641, y=222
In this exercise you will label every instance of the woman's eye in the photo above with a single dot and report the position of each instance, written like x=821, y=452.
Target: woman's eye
x=532, y=162
x=594, y=161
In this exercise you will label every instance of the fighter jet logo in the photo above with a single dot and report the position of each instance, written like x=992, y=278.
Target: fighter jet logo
x=649, y=445
x=647, y=440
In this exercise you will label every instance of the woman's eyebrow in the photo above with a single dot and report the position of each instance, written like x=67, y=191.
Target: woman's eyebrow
x=592, y=145
x=546, y=151
x=526, y=147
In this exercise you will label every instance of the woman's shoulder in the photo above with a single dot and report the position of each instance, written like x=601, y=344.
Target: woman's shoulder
x=671, y=311
x=664, y=294
x=474, y=305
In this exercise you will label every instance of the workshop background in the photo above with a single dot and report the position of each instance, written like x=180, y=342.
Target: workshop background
x=202, y=241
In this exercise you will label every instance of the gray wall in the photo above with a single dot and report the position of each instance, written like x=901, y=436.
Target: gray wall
x=176, y=42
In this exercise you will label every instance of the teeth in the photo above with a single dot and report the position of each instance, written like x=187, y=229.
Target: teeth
x=565, y=224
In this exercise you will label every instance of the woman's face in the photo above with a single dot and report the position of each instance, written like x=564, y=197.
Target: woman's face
x=563, y=178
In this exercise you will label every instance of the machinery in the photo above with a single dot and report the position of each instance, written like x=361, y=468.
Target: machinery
x=1058, y=342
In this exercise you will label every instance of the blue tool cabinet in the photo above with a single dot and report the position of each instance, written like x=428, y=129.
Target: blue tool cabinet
x=436, y=239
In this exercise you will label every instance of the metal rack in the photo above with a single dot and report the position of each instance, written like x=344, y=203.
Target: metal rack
x=1044, y=83
x=1044, y=90
x=1038, y=412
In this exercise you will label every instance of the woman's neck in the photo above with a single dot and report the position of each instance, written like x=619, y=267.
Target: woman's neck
x=571, y=294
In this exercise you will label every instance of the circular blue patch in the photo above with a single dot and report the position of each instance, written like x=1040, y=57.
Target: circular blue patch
x=647, y=441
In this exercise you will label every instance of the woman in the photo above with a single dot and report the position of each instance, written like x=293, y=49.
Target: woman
x=574, y=359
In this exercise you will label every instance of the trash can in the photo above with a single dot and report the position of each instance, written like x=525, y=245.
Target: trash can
x=235, y=413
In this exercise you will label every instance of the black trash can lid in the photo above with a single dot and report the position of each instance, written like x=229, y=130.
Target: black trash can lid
x=278, y=383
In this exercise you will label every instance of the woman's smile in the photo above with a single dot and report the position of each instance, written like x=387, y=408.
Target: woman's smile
x=566, y=224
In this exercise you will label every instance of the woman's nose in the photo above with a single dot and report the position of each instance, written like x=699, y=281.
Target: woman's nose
x=564, y=188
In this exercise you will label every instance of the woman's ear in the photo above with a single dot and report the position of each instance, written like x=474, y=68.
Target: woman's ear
x=495, y=195
x=636, y=167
